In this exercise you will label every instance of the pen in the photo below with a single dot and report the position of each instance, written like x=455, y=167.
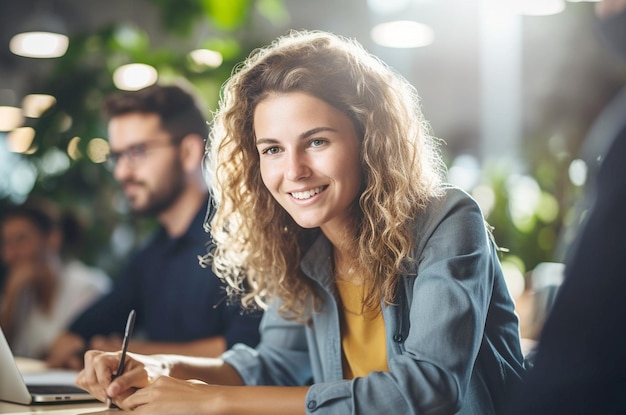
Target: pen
x=130, y=323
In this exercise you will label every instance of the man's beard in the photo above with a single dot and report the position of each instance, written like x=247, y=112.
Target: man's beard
x=164, y=197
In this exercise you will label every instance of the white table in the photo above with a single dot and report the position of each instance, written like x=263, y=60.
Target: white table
x=90, y=408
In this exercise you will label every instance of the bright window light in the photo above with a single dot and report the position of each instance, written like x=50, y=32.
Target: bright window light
x=206, y=57
x=39, y=44
x=387, y=6
x=402, y=34
x=538, y=7
x=97, y=150
x=34, y=105
x=134, y=76
x=72, y=148
x=577, y=172
x=10, y=118
x=20, y=139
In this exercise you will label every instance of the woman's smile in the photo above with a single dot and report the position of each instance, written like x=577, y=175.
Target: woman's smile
x=309, y=156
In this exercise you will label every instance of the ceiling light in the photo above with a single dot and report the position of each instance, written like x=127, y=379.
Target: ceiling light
x=42, y=36
x=206, y=57
x=20, y=140
x=134, y=76
x=97, y=150
x=34, y=105
x=538, y=7
x=402, y=34
x=387, y=6
x=10, y=117
x=39, y=44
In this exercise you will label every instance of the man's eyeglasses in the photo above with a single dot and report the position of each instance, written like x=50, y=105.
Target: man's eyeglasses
x=134, y=154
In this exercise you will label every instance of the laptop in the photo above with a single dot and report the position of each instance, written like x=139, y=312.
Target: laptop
x=45, y=387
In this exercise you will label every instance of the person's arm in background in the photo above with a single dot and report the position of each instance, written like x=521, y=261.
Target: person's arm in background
x=208, y=347
x=108, y=315
x=212, y=323
x=18, y=281
x=238, y=326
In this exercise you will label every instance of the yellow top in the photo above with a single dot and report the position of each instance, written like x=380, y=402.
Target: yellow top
x=362, y=334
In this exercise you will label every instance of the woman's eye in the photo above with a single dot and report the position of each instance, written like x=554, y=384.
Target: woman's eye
x=270, y=150
x=317, y=142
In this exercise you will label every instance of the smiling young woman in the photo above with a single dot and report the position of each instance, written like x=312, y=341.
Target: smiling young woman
x=382, y=286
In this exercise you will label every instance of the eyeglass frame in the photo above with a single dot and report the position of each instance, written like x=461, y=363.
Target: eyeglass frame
x=136, y=152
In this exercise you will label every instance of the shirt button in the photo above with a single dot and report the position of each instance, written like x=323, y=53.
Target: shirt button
x=397, y=338
x=311, y=405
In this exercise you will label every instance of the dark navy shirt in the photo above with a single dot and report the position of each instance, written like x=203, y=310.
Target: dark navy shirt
x=175, y=298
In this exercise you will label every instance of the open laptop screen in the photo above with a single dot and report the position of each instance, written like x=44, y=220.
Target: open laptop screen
x=47, y=386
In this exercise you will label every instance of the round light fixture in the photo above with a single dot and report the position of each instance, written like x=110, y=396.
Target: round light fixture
x=402, y=34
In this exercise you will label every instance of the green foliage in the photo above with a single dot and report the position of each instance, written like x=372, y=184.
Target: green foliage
x=529, y=211
x=83, y=76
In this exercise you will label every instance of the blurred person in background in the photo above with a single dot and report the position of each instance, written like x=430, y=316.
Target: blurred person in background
x=580, y=361
x=157, y=139
x=45, y=287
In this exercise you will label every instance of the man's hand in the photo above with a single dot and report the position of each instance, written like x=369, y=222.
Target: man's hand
x=67, y=352
x=111, y=343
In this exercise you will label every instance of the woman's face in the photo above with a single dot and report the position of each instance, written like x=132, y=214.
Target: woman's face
x=21, y=241
x=310, y=159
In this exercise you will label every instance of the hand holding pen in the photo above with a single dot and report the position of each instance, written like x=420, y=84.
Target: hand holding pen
x=130, y=323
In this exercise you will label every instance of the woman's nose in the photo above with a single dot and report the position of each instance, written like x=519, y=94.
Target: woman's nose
x=297, y=167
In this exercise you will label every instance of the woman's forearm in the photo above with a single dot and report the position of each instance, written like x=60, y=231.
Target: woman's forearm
x=209, y=370
x=260, y=400
x=266, y=400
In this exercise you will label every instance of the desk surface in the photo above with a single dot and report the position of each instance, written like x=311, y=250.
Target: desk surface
x=91, y=408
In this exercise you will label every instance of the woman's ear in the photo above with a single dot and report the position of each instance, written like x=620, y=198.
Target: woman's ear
x=191, y=152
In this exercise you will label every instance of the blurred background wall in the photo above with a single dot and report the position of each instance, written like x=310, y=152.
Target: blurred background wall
x=511, y=91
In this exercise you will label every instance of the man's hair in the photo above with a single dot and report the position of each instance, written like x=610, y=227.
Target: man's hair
x=178, y=110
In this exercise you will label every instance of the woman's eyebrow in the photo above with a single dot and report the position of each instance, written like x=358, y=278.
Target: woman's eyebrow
x=316, y=130
x=303, y=135
x=260, y=141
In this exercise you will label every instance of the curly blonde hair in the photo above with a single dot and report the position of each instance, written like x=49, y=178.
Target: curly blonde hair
x=257, y=244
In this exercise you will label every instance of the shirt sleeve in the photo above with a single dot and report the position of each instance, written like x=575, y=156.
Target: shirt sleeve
x=108, y=314
x=280, y=359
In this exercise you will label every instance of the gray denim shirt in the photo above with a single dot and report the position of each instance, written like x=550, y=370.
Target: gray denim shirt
x=452, y=335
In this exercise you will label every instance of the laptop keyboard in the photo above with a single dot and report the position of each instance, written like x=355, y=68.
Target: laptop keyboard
x=54, y=389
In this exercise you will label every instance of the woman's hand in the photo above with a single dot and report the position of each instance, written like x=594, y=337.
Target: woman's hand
x=139, y=371
x=66, y=351
x=168, y=395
